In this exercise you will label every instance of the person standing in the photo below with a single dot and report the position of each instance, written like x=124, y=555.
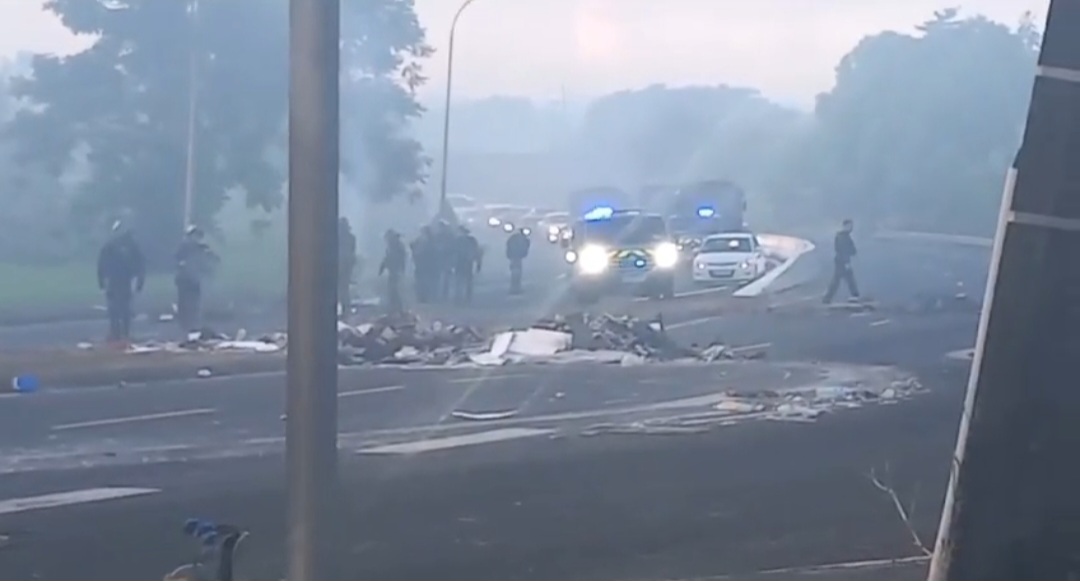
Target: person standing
x=517, y=249
x=347, y=260
x=425, y=259
x=121, y=272
x=467, y=262
x=843, y=252
x=393, y=266
x=194, y=262
x=443, y=257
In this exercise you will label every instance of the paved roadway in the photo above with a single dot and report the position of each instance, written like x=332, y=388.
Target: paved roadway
x=549, y=503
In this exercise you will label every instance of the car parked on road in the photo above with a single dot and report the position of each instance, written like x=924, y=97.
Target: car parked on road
x=730, y=257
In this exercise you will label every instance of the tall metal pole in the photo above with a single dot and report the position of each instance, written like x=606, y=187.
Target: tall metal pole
x=446, y=108
x=311, y=424
x=193, y=107
x=1012, y=507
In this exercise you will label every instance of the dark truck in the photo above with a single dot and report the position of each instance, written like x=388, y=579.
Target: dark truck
x=702, y=209
x=610, y=250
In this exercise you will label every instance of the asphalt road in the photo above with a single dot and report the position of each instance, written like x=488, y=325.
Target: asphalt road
x=545, y=501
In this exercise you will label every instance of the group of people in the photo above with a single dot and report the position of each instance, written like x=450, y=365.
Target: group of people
x=445, y=261
x=121, y=274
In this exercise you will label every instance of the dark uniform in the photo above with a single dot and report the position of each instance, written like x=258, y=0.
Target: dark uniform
x=517, y=249
x=121, y=272
x=393, y=265
x=443, y=258
x=467, y=261
x=425, y=265
x=194, y=262
x=843, y=251
x=346, y=266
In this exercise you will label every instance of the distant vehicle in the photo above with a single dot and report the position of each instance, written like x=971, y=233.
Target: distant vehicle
x=553, y=224
x=705, y=208
x=581, y=202
x=609, y=250
x=732, y=257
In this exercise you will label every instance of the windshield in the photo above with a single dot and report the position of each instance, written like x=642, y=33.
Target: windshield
x=733, y=244
x=622, y=230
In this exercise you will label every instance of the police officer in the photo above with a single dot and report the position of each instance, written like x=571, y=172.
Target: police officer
x=517, y=249
x=121, y=272
x=843, y=252
x=425, y=264
x=347, y=260
x=467, y=262
x=393, y=265
x=443, y=258
x=194, y=262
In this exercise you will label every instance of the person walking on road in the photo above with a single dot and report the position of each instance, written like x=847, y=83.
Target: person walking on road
x=194, y=262
x=347, y=260
x=393, y=266
x=467, y=262
x=517, y=249
x=121, y=272
x=843, y=253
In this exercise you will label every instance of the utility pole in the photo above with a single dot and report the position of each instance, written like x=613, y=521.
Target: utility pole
x=311, y=421
x=1013, y=505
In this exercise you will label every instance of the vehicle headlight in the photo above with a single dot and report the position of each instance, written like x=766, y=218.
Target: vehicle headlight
x=592, y=260
x=666, y=255
x=699, y=265
x=744, y=265
x=508, y=227
x=570, y=256
x=553, y=230
x=493, y=221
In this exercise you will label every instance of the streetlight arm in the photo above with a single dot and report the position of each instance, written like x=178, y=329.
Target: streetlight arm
x=446, y=105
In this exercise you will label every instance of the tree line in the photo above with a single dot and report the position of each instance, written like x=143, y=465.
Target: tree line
x=916, y=133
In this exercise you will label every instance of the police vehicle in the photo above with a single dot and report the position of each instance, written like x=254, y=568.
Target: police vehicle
x=610, y=250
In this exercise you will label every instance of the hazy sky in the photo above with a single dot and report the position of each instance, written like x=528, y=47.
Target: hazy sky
x=540, y=48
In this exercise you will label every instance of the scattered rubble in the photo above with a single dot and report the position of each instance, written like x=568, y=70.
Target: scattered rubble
x=407, y=340
x=402, y=339
x=805, y=404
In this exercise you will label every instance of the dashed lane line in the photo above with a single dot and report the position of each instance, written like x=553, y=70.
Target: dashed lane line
x=134, y=419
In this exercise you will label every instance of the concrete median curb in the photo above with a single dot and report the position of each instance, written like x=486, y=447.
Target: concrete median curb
x=789, y=250
x=936, y=237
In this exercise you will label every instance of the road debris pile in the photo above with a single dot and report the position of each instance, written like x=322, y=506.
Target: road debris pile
x=601, y=338
x=209, y=340
x=803, y=404
x=403, y=340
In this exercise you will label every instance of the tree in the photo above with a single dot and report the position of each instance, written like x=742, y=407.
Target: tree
x=919, y=129
x=126, y=98
x=383, y=48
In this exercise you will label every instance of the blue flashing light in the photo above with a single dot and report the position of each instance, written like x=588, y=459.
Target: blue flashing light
x=599, y=213
x=706, y=212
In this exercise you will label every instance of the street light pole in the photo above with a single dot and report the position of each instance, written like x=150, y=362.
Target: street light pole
x=193, y=104
x=311, y=420
x=446, y=109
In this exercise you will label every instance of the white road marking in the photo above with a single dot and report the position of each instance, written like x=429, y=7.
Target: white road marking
x=132, y=419
x=14, y=505
x=371, y=390
x=483, y=378
x=693, y=322
x=962, y=354
x=449, y=442
x=881, y=322
x=753, y=347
